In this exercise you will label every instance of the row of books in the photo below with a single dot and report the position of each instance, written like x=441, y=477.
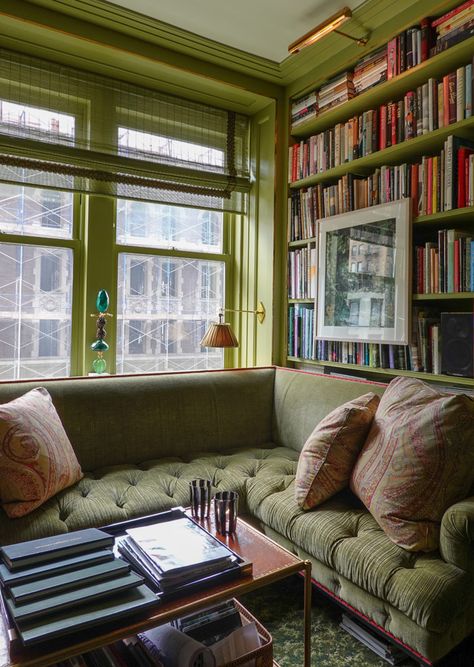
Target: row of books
x=406, y=50
x=63, y=584
x=301, y=331
x=302, y=273
x=438, y=183
x=423, y=353
x=433, y=105
x=445, y=265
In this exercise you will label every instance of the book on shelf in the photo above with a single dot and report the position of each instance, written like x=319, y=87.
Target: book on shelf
x=48, y=548
x=444, y=266
x=42, y=588
x=77, y=619
x=14, y=577
x=54, y=602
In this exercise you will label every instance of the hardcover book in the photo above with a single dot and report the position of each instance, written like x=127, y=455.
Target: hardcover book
x=56, y=546
x=12, y=578
x=61, y=582
x=178, y=544
x=71, y=598
x=124, y=604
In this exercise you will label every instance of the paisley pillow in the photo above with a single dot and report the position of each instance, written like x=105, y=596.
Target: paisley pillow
x=36, y=457
x=418, y=461
x=329, y=454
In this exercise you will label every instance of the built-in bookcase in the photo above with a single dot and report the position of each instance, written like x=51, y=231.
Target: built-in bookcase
x=428, y=221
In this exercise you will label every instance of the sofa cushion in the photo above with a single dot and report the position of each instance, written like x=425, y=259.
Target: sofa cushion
x=36, y=457
x=417, y=461
x=328, y=456
x=343, y=535
x=117, y=493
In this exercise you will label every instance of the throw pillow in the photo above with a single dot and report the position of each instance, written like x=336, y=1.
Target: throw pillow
x=36, y=457
x=329, y=454
x=418, y=461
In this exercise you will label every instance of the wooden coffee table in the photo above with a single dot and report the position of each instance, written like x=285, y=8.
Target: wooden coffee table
x=271, y=562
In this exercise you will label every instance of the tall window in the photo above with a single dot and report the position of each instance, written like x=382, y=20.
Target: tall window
x=185, y=293
x=113, y=187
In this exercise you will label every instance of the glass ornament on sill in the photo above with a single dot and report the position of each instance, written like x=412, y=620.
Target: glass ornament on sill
x=99, y=364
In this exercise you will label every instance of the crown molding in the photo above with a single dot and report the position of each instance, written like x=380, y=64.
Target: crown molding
x=145, y=28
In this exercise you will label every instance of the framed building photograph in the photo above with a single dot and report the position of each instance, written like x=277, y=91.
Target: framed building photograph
x=364, y=282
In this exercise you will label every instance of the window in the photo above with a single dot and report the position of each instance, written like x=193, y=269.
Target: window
x=35, y=311
x=140, y=204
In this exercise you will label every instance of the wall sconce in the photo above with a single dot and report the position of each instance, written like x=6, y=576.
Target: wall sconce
x=324, y=28
x=220, y=333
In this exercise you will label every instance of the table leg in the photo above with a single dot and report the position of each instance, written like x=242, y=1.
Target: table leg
x=307, y=613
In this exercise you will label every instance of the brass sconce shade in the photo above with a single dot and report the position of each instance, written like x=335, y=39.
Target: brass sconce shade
x=323, y=29
x=220, y=333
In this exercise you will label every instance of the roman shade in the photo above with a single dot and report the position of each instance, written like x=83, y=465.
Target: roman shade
x=68, y=129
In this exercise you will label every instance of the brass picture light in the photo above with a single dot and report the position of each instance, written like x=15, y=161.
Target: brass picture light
x=330, y=25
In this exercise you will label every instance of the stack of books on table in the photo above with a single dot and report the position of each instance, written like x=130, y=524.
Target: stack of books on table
x=175, y=554
x=65, y=583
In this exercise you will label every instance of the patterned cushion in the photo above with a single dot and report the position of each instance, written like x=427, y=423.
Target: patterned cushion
x=36, y=457
x=417, y=461
x=329, y=454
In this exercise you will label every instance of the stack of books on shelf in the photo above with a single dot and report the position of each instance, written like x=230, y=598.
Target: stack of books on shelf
x=370, y=71
x=177, y=554
x=65, y=583
x=336, y=92
x=304, y=108
x=406, y=50
x=302, y=273
x=445, y=266
x=454, y=27
x=433, y=105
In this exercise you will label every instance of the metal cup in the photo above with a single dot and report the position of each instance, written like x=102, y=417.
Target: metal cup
x=200, y=498
x=226, y=505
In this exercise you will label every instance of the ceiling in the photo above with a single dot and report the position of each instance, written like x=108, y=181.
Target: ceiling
x=261, y=27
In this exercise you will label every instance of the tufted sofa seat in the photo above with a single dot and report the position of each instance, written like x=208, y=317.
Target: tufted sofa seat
x=141, y=439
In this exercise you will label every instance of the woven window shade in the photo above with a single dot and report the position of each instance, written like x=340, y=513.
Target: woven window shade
x=67, y=129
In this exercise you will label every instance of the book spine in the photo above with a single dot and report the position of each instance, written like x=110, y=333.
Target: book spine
x=460, y=103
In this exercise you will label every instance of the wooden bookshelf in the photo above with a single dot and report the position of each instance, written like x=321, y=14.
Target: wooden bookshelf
x=407, y=151
x=437, y=66
x=388, y=372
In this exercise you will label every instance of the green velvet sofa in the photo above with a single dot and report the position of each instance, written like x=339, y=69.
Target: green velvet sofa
x=140, y=439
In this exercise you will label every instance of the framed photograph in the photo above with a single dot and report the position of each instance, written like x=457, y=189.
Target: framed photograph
x=364, y=282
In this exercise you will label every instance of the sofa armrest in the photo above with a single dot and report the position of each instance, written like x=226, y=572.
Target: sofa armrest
x=457, y=535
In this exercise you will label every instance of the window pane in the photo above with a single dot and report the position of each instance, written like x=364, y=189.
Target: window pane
x=36, y=212
x=161, y=226
x=48, y=125
x=132, y=142
x=160, y=328
x=35, y=311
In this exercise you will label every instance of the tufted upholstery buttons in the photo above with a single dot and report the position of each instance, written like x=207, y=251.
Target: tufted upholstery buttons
x=85, y=493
